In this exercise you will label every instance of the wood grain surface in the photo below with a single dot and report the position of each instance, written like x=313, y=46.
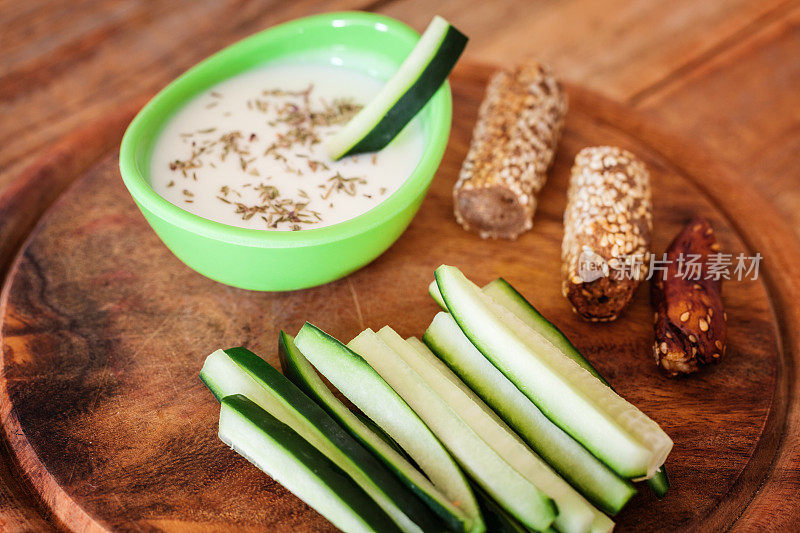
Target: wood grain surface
x=721, y=73
x=721, y=76
x=102, y=344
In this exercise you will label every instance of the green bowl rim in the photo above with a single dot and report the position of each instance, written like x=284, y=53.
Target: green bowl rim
x=416, y=184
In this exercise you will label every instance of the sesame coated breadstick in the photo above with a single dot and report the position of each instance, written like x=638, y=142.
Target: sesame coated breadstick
x=606, y=248
x=513, y=145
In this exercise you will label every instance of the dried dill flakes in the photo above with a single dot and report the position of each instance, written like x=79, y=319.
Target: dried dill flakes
x=339, y=183
x=267, y=192
x=276, y=210
x=299, y=123
x=313, y=164
x=230, y=144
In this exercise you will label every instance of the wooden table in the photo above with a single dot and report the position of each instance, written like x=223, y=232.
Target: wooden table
x=722, y=74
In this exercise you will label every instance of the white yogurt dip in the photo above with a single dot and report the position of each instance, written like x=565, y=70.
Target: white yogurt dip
x=250, y=151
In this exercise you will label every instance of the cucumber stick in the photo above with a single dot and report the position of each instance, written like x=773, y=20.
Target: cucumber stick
x=285, y=456
x=404, y=95
x=240, y=371
x=454, y=487
x=503, y=293
x=360, y=384
x=575, y=514
x=611, y=428
x=521, y=498
x=579, y=467
x=659, y=482
x=497, y=519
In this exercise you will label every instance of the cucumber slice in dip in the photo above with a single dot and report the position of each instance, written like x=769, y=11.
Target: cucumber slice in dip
x=486, y=465
x=454, y=488
x=612, y=429
x=404, y=95
x=579, y=467
x=285, y=456
x=240, y=371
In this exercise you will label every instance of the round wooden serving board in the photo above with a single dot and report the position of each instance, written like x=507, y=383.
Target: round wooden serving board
x=104, y=332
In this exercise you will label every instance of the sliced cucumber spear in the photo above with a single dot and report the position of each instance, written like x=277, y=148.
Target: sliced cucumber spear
x=360, y=384
x=404, y=95
x=608, y=426
x=285, y=456
x=506, y=295
x=240, y=371
x=659, y=482
x=454, y=487
x=579, y=467
x=363, y=386
x=487, y=466
x=575, y=514
x=503, y=293
x=497, y=519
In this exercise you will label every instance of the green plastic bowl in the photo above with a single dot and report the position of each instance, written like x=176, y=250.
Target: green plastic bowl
x=286, y=260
